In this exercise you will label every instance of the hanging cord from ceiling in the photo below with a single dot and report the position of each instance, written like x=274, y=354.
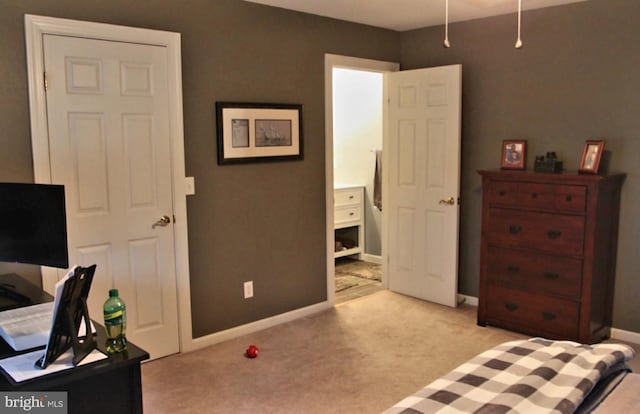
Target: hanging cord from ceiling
x=519, y=42
x=446, y=24
x=446, y=42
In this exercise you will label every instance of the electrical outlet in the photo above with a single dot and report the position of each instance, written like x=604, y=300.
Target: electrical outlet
x=248, y=289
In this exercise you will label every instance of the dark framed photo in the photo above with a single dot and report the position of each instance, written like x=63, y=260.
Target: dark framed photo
x=253, y=132
x=591, y=156
x=514, y=154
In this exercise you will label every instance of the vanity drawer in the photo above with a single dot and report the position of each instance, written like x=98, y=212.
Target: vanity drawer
x=539, y=273
x=545, y=232
x=347, y=214
x=528, y=312
x=347, y=196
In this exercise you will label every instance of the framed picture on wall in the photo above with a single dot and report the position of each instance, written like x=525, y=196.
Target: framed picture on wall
x=514, y=154
x=253, y=132
x=591, y=156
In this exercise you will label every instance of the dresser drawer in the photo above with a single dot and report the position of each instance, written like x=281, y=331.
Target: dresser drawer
x=546, y=232
x=347, y=214
x=555, y=197
x=561, y=198
x=533, y=313
x=537, y=273
x=347, y=196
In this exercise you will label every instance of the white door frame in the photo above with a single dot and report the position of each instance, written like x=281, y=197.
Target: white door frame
x=35, y=28
x=346, y=62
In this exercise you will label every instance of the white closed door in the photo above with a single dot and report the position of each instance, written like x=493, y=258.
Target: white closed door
x=423, y=144
x=107, y=109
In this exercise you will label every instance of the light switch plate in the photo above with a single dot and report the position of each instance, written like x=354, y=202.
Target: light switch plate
x=190, y=185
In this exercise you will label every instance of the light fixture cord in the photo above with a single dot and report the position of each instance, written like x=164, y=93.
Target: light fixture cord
x=446, y=24
x=519, y=42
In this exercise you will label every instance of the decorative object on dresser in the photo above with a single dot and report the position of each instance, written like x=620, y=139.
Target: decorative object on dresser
x=514, y=154
x=348, y=219
x=591, y=156
x=548, y=253
x=548, y=163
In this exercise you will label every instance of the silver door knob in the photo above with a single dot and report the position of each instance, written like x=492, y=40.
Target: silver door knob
x=162, y=221
x=450, y=201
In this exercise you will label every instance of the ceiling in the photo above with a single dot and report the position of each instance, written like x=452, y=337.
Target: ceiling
x=401, y=15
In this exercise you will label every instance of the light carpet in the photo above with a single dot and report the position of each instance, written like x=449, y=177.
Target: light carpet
x=360, y=357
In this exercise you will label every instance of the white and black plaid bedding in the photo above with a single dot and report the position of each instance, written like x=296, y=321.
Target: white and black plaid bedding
x=525, y=376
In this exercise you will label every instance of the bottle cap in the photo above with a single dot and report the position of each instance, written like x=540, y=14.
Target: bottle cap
x=113, y=293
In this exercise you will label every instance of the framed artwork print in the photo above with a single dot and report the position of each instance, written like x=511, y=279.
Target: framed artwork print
x=591, y=156
x=254, y=132
x=514, y=154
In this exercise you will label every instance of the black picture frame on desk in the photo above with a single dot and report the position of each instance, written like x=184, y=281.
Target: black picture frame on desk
x=69, y=313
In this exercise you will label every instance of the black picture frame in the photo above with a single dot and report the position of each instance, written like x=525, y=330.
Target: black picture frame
x=258, y=132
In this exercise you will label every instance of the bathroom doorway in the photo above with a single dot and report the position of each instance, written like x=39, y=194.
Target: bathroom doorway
x=356, y=135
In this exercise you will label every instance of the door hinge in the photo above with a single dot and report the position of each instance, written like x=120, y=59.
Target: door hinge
x=46, y=82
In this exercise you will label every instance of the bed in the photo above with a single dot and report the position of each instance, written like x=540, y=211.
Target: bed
x=533, y=376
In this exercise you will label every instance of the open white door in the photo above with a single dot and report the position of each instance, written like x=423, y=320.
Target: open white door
x=423, y=154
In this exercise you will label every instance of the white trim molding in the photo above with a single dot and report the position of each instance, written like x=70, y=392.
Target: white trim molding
x=626, y=336
x=35, y=28
x=260, y=325
x=345, y=62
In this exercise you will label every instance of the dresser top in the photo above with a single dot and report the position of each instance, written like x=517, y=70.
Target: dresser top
x=566, y=177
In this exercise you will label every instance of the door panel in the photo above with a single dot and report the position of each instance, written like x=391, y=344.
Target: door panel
x=423, y=143
x=107, y=108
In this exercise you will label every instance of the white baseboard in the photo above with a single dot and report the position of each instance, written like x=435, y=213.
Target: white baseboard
x=619, y=334
x=626, y=336
x=469, y=300
x=371, y=258
x=238, y=331
x=215, y=338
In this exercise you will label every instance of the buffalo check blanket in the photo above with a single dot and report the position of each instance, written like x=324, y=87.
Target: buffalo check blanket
x=519, y=377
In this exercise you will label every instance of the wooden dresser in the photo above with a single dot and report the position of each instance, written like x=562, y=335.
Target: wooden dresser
x=548, y=253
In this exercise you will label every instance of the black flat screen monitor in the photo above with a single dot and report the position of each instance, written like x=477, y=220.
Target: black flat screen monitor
x=33, y=224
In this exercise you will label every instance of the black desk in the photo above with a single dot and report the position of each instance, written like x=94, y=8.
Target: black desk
x=112, y=385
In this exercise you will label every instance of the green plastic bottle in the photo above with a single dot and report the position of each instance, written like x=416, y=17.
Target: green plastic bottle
x=115, y=322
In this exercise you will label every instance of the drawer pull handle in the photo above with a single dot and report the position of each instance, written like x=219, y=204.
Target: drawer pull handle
x=513, y=269
x=554, y=234
x=352, y=213
x=511, y=306
x=502, y=193
x=568, y=198
x=551, y=275
x=514, y=229
x=548, y=316
x=534, y=195
x=350, y=197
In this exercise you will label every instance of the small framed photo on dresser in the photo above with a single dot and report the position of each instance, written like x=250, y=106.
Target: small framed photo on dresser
x=514, y=153
x=591, y=156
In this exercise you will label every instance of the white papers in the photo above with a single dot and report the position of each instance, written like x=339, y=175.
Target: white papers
x=26, y=327
x=22, y=368
x=30, y=326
